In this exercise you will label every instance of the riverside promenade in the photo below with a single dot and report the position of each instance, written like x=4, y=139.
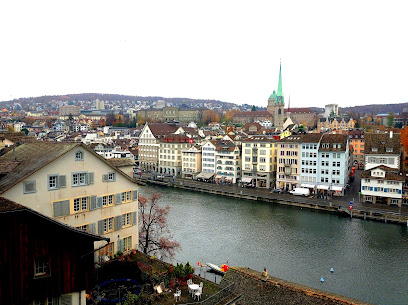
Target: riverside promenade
x=340, y=205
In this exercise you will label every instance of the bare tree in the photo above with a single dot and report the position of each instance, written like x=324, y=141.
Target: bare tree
x=155, y=237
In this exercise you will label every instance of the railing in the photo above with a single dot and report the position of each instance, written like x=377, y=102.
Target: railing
x=221, y=295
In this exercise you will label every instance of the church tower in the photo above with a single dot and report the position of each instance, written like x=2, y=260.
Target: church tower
x=276, y=103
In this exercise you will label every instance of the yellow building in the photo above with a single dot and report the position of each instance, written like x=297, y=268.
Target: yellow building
x=259, y=161
x=72, y=184
x=284, y=134
x=191, y=161
x=288, y=163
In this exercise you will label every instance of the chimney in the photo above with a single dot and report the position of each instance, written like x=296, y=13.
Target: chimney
x=391, y=134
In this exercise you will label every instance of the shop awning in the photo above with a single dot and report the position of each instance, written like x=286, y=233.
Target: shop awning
x=246, y=179
x=228, y=178
x=205, y=175
x=336, y=188
x=322, y=187
x=218, y=177
x=308, y=185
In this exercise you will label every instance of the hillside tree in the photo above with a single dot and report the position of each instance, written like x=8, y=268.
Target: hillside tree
x=155, y=238
x=210, y=116
x=390, y=119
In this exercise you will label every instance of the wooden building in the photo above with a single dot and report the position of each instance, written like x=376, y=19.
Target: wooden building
x=43, y=261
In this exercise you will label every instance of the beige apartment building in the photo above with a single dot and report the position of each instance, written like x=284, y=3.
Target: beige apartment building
x=259, y=161
x=72, y=184
x=191, y=166
x=288, y=163
x=228, y=162
x=149, y=144
x=170, y=154
x=67, y=110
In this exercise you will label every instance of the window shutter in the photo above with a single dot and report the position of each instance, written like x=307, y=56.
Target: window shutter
x=114, y=177
x=100, y=227
x=375, y=189
x=62, y=181
x=118, y=198
x=120, y=245
x=118, y=222
x=134, y=195
x=385, y=190
x=92, y=203
x=92, y=228
x=134, y=218
x=65, y=207
x=90, y=178
x=399, y=192
x=99, y=202
x=57, y=208
x=104, y=177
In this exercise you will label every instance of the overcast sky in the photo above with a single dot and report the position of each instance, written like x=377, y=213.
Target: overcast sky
x=345, y=52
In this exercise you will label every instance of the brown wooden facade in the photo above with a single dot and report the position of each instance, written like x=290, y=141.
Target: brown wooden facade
x=28, y=238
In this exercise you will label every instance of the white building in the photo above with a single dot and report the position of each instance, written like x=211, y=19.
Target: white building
x=228, y=162
x=382, y=149
x=381, y=185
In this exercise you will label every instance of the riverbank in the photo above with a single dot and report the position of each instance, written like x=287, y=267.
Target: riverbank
x=387, y=214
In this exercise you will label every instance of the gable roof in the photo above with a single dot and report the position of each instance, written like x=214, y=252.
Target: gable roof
x=329, y=138
x=34, y=156
x=382, y=141
x=161, y=129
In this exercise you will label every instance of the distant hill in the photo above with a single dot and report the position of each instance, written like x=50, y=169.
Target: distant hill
x=111, y=97
x=375, y=109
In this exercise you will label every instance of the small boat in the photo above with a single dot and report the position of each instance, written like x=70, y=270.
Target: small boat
x=217, y=269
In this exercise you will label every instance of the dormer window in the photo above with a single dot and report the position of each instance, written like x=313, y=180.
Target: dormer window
x=374, y=149
x=389, y=149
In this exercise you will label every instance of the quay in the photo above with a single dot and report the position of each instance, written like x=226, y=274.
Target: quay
x=387, y=214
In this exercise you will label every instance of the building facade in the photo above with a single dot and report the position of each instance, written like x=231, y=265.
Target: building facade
x=382, y=149
x=74, y=185
x=259, y=161
x=191, y=161
x=170, y=154
x=288, y=163
x=228, y=162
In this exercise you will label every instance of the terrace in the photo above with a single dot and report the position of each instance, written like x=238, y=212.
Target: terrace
x=139, y=279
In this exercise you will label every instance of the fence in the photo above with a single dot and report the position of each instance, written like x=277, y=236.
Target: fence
x=226, y=291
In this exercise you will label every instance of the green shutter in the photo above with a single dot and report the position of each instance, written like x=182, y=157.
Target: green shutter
x=105, y=178
x=100, y=227
x=118, y=198
x=134, y=195
x=62, y=181
x=121, y=245
x=65, y=207
x=92, y=203
x=134, y=218
x=118, y=222
x=99, y=202
x=90, y=178
x=92, y=228
x=57, y=208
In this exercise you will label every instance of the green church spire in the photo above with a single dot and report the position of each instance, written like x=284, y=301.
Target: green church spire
x=280, y=80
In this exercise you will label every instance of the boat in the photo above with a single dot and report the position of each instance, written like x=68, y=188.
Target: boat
x=217, y=269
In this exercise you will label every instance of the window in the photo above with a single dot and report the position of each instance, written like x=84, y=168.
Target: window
x=128, y=196
x=79, y=156
x=83, y=228
x=108, y=225
x=29, y=187
x=52, y=182
x=111, y=177
x=127, y=243
x=42, y=267
x=126, y=219
x=79, y=179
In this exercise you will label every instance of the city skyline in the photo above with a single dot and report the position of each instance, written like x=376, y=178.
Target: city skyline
x=206, y=50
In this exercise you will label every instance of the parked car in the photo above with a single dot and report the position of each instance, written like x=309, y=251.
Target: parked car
x=298, y=191
x=276, y=191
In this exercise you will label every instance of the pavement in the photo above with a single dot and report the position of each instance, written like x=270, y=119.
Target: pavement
x=339, y=202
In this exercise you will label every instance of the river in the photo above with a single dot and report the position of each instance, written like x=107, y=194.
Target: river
x=370, y=259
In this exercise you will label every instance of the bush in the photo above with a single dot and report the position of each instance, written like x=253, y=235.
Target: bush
x=188, y=269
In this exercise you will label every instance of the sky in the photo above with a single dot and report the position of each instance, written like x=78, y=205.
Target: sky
x=344, y=52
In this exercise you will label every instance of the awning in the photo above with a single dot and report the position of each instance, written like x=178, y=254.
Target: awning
x=336, y=188
x=307, y=185
x=228, y=178
x=322, y=187
x=218, y=177
x=246, y=179
x=205, y=175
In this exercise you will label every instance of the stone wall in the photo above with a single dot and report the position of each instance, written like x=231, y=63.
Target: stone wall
x=258, y=291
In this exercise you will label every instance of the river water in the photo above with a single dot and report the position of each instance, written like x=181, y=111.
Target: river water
x=370, y=259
